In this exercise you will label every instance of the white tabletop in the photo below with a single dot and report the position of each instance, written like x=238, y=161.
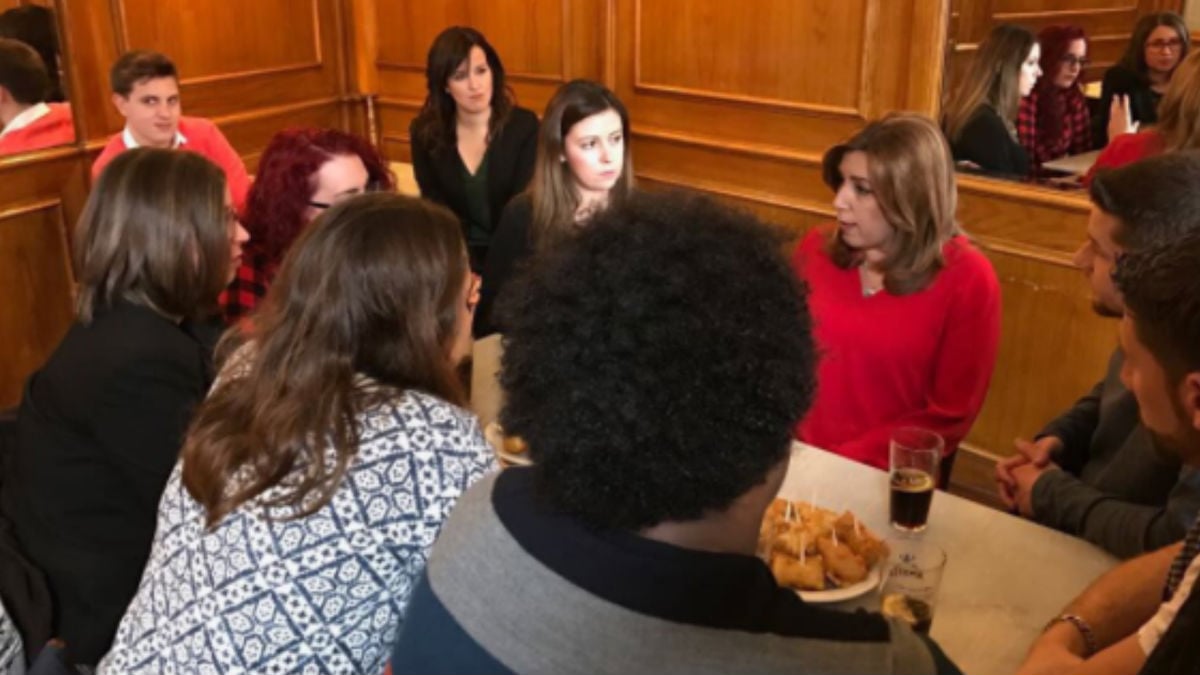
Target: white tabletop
x=1005, y=576
x=1074, y=164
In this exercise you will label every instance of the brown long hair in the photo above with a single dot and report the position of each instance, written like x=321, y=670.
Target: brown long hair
x=1179, y=110
x=154, y=232
x=371, y=289
x=552, y=190
x=993, y=79
x=435, y=123
x=912, y=175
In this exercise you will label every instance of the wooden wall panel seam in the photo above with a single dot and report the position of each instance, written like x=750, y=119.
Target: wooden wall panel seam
x=800, y=157
x=820, y=209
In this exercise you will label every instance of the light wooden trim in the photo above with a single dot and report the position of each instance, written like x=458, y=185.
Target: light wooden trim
x=726, y=145
x=990, y=187
x=260, y=113
x=517, y=76
x=756, y=196
x=1019, y=250
x=30, y=207
x=1060, y=14
x=396, y=102
x=21, y=160
x=56, y=206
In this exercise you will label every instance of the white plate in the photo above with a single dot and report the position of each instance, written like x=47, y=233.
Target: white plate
x=846, y=593
x=495, y=437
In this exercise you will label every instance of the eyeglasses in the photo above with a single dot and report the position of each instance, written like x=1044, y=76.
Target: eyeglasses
x=371, y=187
x=1072, y=60
x=1173, y=45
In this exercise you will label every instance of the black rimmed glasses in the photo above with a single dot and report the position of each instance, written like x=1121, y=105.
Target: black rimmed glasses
x=1172, y=45
x=1072, y=60
x=371, y=187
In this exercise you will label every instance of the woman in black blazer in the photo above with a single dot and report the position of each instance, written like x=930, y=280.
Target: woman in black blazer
x=472, y=147
x=980, y=117
x=101, y=424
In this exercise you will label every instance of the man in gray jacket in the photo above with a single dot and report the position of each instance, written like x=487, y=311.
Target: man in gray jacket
x=1094, y=472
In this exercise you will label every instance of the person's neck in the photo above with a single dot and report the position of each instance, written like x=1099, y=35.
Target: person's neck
x=147, y=143
x=1157, y=78
x=473, y=121
x=10, y=110
x=590, y=202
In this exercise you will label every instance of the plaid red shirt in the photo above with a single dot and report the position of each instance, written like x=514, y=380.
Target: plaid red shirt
x=1076, y=136
x=249, y=285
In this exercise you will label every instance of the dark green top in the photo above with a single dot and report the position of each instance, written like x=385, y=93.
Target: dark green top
x=478, y=219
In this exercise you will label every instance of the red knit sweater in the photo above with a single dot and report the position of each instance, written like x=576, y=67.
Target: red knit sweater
x=888, y=361
x=203, y=137
x=54, y=128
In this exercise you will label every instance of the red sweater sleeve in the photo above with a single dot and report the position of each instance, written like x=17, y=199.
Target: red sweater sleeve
x=963, y=370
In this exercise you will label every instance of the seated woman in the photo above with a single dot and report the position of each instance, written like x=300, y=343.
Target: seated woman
x=584, y=163
x=302, y=173
x=1053, y=120
x=979, y=118
x=1178, y=125
x=907, y=311
x=101, y=424
x=472, y=146
x=1133, y=87
x=276, y=553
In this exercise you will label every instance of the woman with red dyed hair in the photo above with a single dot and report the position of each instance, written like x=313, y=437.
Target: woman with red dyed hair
x=1053, y=120
x=302, y=172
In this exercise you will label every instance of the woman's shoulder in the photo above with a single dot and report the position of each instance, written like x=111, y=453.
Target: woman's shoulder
x=522, y=118
x=967, y=264
x=416, y=411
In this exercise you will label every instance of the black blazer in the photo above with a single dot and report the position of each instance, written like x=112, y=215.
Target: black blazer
x=99, y=431
x=986, y=142
x=510, y=157
x=1143, y=101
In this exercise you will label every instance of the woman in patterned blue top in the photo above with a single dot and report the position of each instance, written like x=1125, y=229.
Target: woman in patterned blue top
x=275, y=554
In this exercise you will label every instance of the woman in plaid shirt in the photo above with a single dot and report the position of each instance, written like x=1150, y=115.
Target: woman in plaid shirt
x=1053, y=120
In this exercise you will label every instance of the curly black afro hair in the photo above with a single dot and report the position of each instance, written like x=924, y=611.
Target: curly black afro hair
x=657, y=362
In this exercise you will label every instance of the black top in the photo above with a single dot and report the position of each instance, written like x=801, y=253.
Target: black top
x=100, y=427
x=512, y=244
x=1143, y=101
x=479, y=220
x=987, y=143
x=510, y=158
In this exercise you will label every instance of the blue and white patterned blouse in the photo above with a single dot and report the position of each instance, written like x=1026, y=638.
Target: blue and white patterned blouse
x=323, y=594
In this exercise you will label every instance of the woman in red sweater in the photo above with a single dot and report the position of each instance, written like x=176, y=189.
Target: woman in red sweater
x=907, y=311
x=1178, y=125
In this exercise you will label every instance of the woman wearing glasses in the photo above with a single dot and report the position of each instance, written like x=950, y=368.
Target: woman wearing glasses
x=302, y=173
x=1134, y=86
x=1178, y=125
x=1053, y=120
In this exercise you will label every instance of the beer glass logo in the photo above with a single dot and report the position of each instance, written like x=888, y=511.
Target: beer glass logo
x=906, y=567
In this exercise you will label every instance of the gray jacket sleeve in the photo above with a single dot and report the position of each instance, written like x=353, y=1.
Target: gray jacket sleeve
x=1122, y=528
x=1075, y=428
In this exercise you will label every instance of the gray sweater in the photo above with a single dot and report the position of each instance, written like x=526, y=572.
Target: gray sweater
x=1115, y=488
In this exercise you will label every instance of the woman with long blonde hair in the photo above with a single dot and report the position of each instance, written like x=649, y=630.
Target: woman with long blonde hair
x=584, y=164
x=980, y=117
x=1178, y=125
x=906, y=310
x=318, y=472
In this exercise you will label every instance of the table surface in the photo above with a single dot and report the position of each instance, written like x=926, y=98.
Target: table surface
x=1005, y=576
x=1074, y=164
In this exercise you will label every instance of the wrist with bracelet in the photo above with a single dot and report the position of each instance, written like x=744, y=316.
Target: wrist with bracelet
x=1090, y=645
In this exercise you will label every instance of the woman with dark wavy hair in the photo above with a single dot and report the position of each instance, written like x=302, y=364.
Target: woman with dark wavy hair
x=316, y=475
x=1053, y=120
x=472, y=146
x=303, y=172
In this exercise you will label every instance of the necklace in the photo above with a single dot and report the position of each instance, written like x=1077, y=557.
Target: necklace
x=868, y=288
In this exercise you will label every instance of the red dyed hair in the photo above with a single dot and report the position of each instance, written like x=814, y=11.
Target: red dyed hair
x=285, y=183
x=1055, y=42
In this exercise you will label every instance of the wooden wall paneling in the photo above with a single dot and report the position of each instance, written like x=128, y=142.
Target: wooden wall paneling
x=731, y=86
x=43, y=196
x=542, y=43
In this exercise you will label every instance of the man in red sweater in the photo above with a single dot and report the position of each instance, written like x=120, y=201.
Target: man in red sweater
x=27, y=122
x=145, y=89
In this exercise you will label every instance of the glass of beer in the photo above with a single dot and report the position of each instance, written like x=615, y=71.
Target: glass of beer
x=915, y=457
x=911, y=581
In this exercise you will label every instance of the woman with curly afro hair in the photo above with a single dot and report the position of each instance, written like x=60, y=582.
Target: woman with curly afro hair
x=907, y=310
x=303, y=172
x=656, y=398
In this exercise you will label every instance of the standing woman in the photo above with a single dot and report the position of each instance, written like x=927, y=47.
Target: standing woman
x=316, y=475
x=980, y=117
x=1053, y=120
x=907, y=311
x=101, y=424
x=303, y=172
x=584, y=163
x=1133, y=87
x=472, y=146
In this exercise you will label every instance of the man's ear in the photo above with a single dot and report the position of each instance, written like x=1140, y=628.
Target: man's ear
x=1189, y=389
x=121, y=103
x=5, y=96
